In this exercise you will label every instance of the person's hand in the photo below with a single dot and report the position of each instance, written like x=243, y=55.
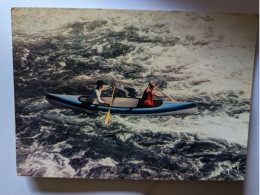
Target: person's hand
x=114, y=84
x=108, y=104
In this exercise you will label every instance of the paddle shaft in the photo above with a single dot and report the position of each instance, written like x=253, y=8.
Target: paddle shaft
x=112, y=95
x=164, y=94
x=108, y=113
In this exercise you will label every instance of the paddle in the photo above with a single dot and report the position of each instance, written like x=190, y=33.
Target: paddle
x=164, y=94
x=108, y=113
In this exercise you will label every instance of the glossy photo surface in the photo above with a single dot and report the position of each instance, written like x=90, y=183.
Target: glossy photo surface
x=202, y=58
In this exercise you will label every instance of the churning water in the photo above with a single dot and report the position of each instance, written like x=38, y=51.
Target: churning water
x=204, y=64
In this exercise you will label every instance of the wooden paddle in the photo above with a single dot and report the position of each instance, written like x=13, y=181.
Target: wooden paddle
x=164, y=94
x=108, y=113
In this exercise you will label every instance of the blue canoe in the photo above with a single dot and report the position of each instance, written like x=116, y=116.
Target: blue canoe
x=122, y=105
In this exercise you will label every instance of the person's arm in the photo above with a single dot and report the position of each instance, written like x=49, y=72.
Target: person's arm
x=97, y=94
x=160, y=96
x=99, y=101
x=109, y=86
x=156, y=95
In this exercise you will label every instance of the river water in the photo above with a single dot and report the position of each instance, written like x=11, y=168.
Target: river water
x=192, y=57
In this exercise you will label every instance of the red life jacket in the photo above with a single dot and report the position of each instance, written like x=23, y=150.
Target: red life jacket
x=148, y=98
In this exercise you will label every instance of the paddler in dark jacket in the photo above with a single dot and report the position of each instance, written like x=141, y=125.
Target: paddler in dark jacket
x=96, y=93
x=147, y=98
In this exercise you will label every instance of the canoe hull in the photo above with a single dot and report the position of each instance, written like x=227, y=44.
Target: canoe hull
x=164, y=108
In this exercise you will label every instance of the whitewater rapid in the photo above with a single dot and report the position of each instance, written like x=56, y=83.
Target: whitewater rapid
x=199, y=60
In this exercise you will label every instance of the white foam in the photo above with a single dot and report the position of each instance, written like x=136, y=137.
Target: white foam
x=220, y=127
x=41, y=163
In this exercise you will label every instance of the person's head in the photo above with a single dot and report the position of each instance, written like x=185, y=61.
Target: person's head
x=100, y=84
x=151, y=85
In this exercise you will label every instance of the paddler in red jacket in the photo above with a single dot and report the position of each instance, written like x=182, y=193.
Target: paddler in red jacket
x=147, y=99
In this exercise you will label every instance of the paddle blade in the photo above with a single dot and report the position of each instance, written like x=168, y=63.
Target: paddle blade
x=172, y=100
x=107, y=117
